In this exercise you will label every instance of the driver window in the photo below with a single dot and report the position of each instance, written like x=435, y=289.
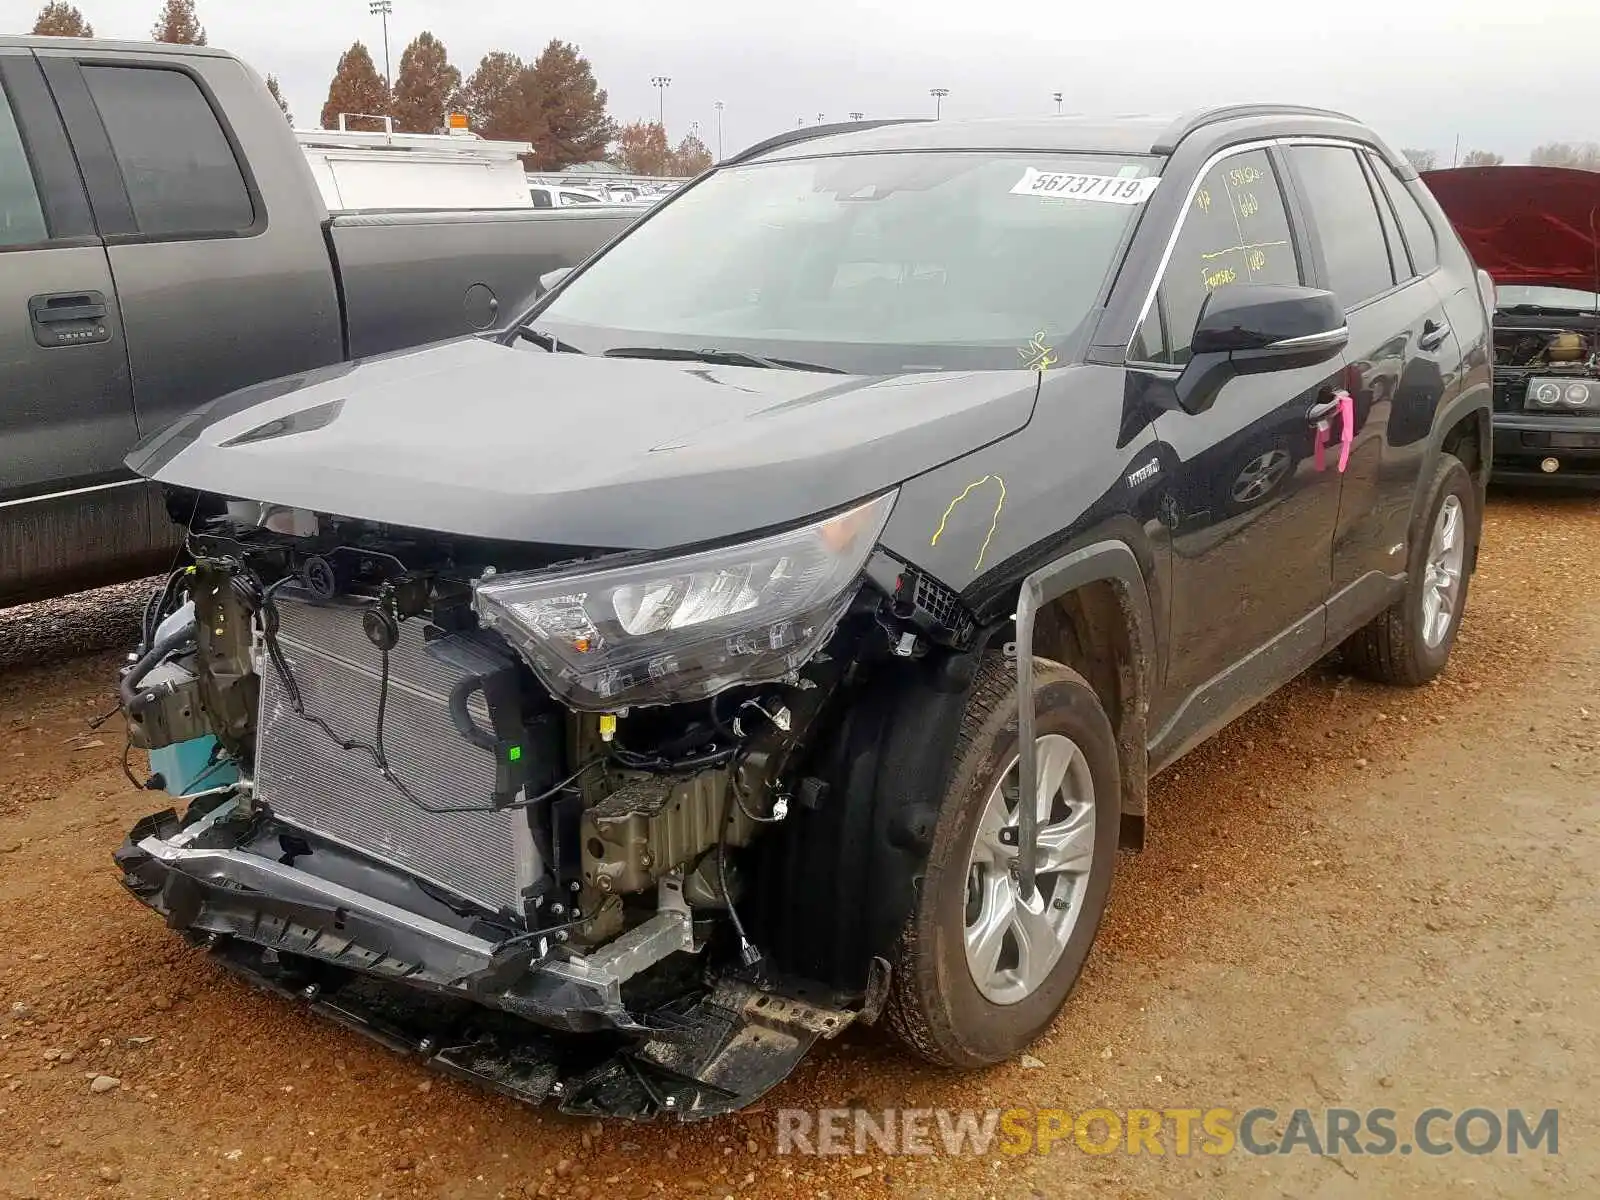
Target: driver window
x=1236, y=231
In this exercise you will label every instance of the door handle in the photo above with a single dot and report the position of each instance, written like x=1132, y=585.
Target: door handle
x=58, y=313
x=1322, y=410
x=69, y=319
x=1433, y=335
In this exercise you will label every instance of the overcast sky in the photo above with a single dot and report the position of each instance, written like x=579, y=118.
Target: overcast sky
x=1503, y=76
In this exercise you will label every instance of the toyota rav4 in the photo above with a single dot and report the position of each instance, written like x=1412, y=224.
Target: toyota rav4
x=777, y=628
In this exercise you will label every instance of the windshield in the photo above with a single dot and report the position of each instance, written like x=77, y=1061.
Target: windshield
x=874, y=263
x=1509, y=296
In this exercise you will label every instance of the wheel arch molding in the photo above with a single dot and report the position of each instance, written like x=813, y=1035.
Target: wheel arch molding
x=838, y=884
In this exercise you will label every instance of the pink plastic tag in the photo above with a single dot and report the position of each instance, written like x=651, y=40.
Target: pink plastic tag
x=1347, y=428
x=1347, y=432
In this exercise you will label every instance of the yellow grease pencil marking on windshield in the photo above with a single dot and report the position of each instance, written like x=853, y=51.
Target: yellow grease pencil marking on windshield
x=1036, y=354
x=1242, y=247
x=994, y=521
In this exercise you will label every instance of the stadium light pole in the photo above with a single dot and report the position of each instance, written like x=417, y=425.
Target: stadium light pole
x=383, y=8
x=856, y=116
x=1058, y=99
x=938, y=95
x=718, y=105
x=661, y=83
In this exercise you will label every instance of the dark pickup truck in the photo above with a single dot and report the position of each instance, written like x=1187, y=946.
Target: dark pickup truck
x=163, y=242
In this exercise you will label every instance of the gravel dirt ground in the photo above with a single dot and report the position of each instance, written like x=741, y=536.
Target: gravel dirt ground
x=1354, y=897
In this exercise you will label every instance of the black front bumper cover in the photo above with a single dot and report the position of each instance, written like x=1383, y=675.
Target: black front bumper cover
x=1523, y=441
x=449, y=999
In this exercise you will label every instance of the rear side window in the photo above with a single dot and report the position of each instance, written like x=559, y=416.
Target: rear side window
x=1399, y=263
x=1346, y=220
x=1236, y=230
x=1420, y=238
x=179, y=170
x=21, y=216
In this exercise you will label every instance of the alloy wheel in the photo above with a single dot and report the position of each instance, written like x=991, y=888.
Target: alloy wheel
x=1441, y=582
x=1013, y=944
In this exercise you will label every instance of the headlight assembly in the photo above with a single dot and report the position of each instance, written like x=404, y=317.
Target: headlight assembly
x=1546, y=393
x=680, y=629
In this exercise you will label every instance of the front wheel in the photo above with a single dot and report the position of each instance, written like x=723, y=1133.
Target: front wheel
x=981, y=972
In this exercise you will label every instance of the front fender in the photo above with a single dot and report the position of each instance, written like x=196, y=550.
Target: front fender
x=1105, y=561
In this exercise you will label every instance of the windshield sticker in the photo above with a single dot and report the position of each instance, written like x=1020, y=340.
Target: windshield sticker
x=1036, y=355
x=1106, y=189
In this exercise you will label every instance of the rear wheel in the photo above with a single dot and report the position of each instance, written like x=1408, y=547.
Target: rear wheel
x=1410, y=642
x=981, y=972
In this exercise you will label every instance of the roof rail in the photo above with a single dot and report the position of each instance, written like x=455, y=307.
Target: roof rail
x=1190, y=122
x=809, y=132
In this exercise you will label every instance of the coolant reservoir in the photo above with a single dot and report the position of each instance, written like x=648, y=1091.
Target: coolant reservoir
x=1565, y=347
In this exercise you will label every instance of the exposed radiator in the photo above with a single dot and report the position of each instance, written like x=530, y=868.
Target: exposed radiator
x=310, y=783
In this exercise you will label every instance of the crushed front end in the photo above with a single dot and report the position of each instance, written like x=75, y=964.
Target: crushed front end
x=494, y=804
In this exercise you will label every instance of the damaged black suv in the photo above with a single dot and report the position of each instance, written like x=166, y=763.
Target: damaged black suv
x=777, y=627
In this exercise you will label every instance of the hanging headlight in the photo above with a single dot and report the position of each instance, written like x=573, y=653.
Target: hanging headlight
x=680, y=629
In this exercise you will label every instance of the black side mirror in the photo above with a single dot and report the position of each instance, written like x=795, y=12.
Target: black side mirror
x=1251, y=328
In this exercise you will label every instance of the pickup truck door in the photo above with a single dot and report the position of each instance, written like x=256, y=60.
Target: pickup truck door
x=212, y=222
x=1249, y=507
x=69, y=511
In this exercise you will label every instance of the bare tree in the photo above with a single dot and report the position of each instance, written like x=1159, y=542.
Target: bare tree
x=1585, y=156
x=1422, y=160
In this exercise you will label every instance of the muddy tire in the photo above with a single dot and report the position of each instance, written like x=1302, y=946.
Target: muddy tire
x=972, y=986
x=1409, y=643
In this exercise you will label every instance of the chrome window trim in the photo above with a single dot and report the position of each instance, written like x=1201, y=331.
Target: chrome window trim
x=1194, y=187
x=1177, y=229
x=1312, y=341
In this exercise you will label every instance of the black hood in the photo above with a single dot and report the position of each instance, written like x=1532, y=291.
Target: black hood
x=483, y=440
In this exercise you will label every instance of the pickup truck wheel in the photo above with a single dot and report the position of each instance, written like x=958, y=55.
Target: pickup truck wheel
x=981, y=973
x=1410, y=642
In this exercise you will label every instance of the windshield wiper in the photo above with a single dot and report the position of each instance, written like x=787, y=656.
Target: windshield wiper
x=1545, y=308
x=725, y=358
x=548, y=341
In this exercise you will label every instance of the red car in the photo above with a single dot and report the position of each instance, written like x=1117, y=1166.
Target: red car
x=1536, y=231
